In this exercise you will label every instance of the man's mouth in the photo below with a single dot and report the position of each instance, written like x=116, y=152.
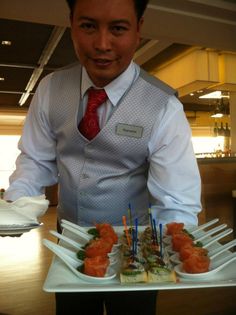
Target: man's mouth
x=102, y=62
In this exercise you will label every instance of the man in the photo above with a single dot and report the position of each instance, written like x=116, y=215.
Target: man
x=141, y=154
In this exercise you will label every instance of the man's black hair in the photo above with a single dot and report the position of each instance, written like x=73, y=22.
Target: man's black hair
x=140, y=7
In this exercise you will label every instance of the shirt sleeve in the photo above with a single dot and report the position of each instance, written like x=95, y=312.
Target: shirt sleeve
x=36, y=164
x=173, y=180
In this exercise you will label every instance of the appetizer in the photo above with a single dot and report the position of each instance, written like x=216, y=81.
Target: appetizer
x=95, y=252
x=193, y=256
x=132, y=271
x=143, y=261
x=196, y=264
x=96, y=266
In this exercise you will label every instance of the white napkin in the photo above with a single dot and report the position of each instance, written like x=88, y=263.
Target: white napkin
x=23, y=211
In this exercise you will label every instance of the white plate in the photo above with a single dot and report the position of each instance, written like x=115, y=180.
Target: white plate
x=17, y=229
x=61, y=279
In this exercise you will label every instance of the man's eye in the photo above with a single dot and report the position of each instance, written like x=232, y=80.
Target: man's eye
x=87, y=26
x=117, y=29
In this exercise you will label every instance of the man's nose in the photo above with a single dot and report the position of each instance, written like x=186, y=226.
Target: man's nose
x=103, y=40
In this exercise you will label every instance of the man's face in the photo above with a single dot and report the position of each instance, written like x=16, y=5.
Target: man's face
x=105, y=35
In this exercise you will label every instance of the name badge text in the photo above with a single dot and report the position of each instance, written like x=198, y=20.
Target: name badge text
x=129, y=130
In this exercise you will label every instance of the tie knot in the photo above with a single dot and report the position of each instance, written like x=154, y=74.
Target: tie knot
x=96, y=98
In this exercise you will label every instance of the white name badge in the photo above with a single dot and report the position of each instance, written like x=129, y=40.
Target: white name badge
x=129, y=130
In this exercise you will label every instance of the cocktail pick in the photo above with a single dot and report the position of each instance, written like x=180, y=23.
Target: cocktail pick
x=150, y=217
x=130, y=216
x=155, y=231
x=136, y=235
x=161, y=237
x=126, y=230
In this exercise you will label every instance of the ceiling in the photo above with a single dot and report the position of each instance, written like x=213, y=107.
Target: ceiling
x=40, y=43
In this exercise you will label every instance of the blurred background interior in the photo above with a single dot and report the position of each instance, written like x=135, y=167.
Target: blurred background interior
x=189, y=44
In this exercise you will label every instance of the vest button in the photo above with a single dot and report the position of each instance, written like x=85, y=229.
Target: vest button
x=85, y=176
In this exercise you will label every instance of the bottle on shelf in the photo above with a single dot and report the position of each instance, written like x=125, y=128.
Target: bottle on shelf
x=218, y=151
x=227, y=130
x=221, y=130
x=227, y=140
x=215, y=130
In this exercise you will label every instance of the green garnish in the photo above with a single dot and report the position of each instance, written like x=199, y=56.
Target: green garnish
x=160, y=270
x=129, y=272
x=188, y=233
x=198, y=244
x=81, y=254
x=94, y=232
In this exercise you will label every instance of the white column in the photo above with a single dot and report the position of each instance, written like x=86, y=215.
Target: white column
x=233, y=120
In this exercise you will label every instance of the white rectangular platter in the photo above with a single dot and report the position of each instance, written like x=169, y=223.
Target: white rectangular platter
x=61, y=279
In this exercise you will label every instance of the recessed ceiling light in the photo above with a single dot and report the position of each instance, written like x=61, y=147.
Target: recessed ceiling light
x=2, y=79
x=215, y=94
x=6, y=42
x=217, y=115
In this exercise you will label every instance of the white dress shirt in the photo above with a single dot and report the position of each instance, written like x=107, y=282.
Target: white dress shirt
x=173, y=178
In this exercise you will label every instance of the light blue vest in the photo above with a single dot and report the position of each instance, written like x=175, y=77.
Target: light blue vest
x=98, y=179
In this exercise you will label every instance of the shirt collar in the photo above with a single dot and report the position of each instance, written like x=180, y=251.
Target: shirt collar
x=115, y=89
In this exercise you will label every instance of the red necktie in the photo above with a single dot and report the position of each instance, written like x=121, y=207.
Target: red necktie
x=89, y=125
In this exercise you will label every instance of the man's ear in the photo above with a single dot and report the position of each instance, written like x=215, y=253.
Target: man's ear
x=139, y=27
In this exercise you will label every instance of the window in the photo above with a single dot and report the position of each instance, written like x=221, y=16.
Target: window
x=8, y=155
